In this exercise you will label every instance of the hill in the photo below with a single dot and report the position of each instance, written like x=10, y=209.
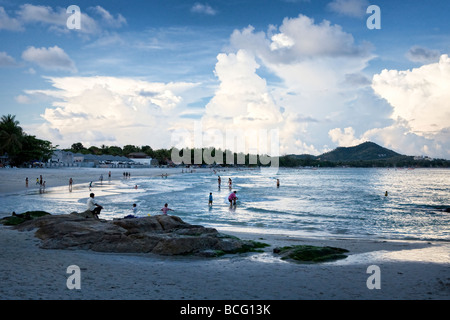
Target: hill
x=367, y=154
x=367, y=151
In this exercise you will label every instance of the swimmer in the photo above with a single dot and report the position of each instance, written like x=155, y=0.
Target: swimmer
x=278, y=183
x=165, y=209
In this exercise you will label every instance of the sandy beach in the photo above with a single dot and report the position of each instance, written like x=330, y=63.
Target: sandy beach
x=81, y=178
x=408, y=270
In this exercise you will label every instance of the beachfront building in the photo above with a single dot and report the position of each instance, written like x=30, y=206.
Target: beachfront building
x=142, y=158
x=61, y=157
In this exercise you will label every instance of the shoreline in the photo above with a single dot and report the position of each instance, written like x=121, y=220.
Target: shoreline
x=29, y=272
x=81, y=176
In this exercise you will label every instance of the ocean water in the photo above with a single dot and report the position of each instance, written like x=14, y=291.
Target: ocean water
x=338, y=202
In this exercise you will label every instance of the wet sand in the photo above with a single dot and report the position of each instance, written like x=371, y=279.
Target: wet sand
x=408, y=271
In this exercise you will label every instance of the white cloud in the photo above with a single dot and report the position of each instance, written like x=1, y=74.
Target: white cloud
x=6, y=60
x=319, y=81
x=109, y=19
x=419, y=99
x=203, y=9
x=352, y=8
x=419, y=96
x=299, y=39
x=345, y=138
x=53, y=58
x=8, y=23
x=111, y=111
x=56, y=19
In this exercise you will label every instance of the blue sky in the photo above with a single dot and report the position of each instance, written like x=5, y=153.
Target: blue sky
x=142, y=72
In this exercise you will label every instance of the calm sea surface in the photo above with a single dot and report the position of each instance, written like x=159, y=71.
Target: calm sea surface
x=343, y=202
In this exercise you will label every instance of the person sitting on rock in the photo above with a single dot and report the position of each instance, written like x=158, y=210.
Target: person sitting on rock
x=93, y=207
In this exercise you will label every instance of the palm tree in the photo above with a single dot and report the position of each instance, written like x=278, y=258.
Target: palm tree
x=10, y=135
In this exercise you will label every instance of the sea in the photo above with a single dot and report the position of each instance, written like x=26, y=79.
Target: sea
x=378, y=203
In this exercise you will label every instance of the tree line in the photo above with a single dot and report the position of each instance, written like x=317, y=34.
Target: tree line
x=18, y=147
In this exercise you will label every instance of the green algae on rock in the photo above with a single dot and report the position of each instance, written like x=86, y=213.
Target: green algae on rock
x=310, y=254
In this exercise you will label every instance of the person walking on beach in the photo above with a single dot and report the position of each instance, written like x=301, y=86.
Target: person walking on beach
x=93, y=207
x=210, y=199
x=70, y=184
x=165, y=209
x=232, y=198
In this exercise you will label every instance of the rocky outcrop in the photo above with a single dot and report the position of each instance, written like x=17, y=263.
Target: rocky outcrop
x=161, y=234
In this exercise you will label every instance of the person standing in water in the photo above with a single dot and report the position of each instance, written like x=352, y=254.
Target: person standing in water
x=232, y=198
x=165, y=209
x=210, y=199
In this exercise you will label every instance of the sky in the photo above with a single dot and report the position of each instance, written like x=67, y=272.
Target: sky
x=271, y=76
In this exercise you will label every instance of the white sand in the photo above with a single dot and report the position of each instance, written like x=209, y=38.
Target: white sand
x=409, y=270
x=13, y=180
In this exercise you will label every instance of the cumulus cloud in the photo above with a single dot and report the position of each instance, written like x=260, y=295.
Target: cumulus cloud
x=419, y=100
x=53, y=58
x=111, y=111
x=419, y=96
x=319, y=83
x=242, y=101
x=345, y=138
x=298, y=39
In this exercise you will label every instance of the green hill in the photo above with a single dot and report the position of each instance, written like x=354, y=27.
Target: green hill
x=367, y=151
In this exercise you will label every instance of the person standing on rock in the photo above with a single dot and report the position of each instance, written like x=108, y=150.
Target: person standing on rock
x=93, y=207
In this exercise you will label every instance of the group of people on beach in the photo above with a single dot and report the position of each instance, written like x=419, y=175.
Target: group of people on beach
x=39, y=181
x=96, y=208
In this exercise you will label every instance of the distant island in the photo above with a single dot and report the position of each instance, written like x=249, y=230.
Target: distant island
x=367, y=154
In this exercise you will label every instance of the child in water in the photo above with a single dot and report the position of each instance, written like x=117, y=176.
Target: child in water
x=210, y=199
x=165, y=209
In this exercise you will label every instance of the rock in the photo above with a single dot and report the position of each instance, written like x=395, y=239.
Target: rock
x=16, y=219
x=161, y=234
x=310, y=254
